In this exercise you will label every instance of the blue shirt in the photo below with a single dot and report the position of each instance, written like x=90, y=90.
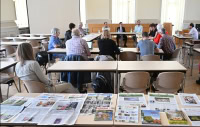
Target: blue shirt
x=146, y=47
x=53, y=41
x=138, y=29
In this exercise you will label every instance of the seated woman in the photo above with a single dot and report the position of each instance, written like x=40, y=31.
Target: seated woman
x=107, y=46
x=152, y=31
x=55, y=42
x=29, y=69
x=77, y=46
x=158, y=35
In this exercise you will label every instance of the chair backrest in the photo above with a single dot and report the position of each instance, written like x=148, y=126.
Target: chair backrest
x=9, y=49
x=169, y=82
x=128, y=56
x=196, y=46
x=45, y=45
x=150, y=58
x=34, y=43
x=136, y=82
x=34, y=87
x=176, y=53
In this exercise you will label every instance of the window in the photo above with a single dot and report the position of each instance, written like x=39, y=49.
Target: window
x=173, y=11
x=123, y=11
x=83, y=12
x=21, y=13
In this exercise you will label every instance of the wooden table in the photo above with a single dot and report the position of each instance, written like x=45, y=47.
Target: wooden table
x=88, y=120
x=194, y=50
x=25, y=38
x=12, y=43
x=29, y=35
x=180, y=38
x=122, y=33
x=151, y=66
x=89, y=66
x=91, y=37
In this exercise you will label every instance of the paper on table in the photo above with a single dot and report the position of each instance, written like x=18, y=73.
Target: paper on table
x=189, y=99
x=193, y=115
x=18, y=101
x=51, y=96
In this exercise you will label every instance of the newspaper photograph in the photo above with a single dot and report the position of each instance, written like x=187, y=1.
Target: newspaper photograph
x=162, y=102
x=64, y=112
x=193, y=115
x=18, y=101
x=51, y=96
x=95, y=100
x=42, y=103
x=132, y=99
x=77, y=96
x=189, y=99
x=9, y=112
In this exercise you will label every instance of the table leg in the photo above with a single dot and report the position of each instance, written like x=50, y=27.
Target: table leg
x=1, y=98
x=48, y=60
x=192, y=64
x=190, y=55
x=20, y=90
x=116, y=87
x=183, y=86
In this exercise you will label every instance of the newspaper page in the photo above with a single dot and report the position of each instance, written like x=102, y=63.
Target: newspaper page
x=42, y=103
x=51, y=96
x=162, y=102
x=193, y=115
x=77, y=96
x=132, y=99
x=18, y=101
x=95, y=100
x=189, y=99
x=64, y=111
x=9, y=112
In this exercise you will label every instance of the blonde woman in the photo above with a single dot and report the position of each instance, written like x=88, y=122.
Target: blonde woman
x=28, y=69
x=107, y=46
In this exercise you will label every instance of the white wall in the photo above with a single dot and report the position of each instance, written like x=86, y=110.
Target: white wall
x=98, y=9
x=7, y=10
x=192, y=11
x=148, y=10
x=47, y=14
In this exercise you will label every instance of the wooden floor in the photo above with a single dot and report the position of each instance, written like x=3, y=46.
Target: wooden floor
x=190, y=87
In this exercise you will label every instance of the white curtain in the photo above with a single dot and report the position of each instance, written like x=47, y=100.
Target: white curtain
x=123, y=11
x=173, y=11
x=83, y=12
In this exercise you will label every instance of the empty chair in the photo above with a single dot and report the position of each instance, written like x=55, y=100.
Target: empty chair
x=10, y=51
x=34, y=87
x=34, y=43
x=17, y=40
x=136, y=82
x=128, y=56
x=150, y=58
x=175, y=55
x=169, y=82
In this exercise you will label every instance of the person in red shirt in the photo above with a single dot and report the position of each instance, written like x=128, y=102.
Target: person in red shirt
x=158, y=35
x=198, y=81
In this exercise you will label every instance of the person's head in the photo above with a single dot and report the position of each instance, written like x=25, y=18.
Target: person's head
x=75, y=32
x=145, y=35
x=24, y=52
x=138, y=22
x=55, y=32
x=159, y=28
x=80, y=25
x=163, y=31
x=71, y=26
x=105, y=24
x=120, y=23
x=105, y=34
x=191, y=25
x=152, y=26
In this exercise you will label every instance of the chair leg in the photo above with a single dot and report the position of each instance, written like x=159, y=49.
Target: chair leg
x=26, y=88
x=16, y=86
x=8, y=89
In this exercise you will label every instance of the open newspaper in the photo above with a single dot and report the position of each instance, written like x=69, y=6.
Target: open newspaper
x=193, y=115
x=51, y=96
x=18, y=101
x=162, y=102
x=189, y=99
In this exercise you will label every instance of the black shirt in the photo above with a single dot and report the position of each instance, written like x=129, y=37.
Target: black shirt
x=108, y=47
x=153, y=33
x=68, y=35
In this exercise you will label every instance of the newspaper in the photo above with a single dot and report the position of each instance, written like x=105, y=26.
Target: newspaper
x=9, y=112
x=51, y=96
x=193, y=115
x=95, y=100
x=162, y=102
x=189, y=99
x=64, y=112
x=18, y=101
x=42, y=103
x=132, y=99
x=77, y=96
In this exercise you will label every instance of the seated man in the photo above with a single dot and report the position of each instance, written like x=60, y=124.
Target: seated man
x=146, y=46
x=138, y=30
x=68, y=34
x=105, y=27
x=167, y=45
x=122, y=37
x=81, y=30
x=193, y=31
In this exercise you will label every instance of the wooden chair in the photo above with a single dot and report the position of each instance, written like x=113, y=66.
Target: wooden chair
x=136, y=82
x=34, y=87
x=10, y=51
x=150, y=58
x=128, y=56
x=169, y=82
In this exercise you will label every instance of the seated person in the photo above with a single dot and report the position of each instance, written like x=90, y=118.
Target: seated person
x=158, y=34
x=167, y=45
x=68, y=34
x=55, y=42
x=29, y=69
x=146, y=46
x=138, y=30
x=105, y=27
x=193, y=31
x=82, y=32
x=152, y=31
x=77, y=46
x=123, y=37
x=107, y=46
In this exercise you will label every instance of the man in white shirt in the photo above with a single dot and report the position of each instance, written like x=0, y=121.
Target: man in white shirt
x=193, y=31
x=105, y=27
x=138, y=30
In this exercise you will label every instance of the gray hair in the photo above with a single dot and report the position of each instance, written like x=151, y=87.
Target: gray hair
x=54, y=31
x=75, y=32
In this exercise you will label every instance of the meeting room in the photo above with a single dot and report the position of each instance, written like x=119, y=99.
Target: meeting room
x=100, y=63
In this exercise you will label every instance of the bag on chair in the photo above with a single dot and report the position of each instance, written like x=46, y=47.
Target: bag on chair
x=42, y=58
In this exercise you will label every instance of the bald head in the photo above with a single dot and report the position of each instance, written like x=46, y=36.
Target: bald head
x=75, y=32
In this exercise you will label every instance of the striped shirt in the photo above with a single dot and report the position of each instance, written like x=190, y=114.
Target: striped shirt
x=77, y=46
x=167, y=44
